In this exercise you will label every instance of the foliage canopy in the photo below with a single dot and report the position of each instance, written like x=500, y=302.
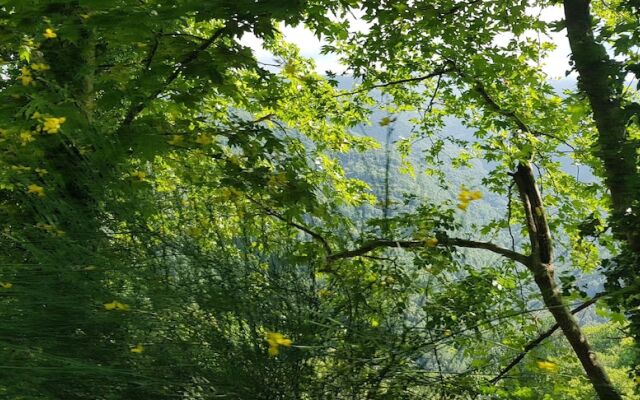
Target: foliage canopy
x=183, y=220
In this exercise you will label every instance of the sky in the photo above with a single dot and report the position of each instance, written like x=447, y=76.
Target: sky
x=555, y=65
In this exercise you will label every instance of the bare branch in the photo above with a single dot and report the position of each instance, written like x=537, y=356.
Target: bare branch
x=303, y=228
x=315, y=235
x=436, y=73
x=472, y=244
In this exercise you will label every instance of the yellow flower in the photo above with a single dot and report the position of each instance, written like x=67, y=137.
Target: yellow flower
x=431, y=242
x=137, y=349
x=447, y=333
x=39, y=67
x=35, y=189
x=276, y=340
x=26, y=137
x=49, y=33
x=52, y=125
x=116, y=305
x=374, y=322
x=138, y=174
x=176, y=140
x=6, y=285
x=547, y=365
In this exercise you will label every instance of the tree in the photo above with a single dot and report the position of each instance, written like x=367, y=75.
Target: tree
x=452, y=44
x=177, y=222
x=602, y=80
x=96, y=98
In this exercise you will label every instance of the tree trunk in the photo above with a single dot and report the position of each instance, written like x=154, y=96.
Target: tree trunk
x=597, y=79
x=541, y=265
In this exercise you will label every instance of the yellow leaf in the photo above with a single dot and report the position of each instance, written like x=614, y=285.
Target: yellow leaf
x=176, y=140
x=52, y=125
x=116, y=305
x=431, y=242
x=26, y=137
x=386, y=121
x=6, y=285
x=547, y=365
x=26, y=80
x=137, y=349
x=49, y=33
x=138, y=174
x=276, y=340
x=204, y=140
x=35, y=189
x=40, y=67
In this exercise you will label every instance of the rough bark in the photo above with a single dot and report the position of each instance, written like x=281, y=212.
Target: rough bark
x=541, y=266
x=597, y=79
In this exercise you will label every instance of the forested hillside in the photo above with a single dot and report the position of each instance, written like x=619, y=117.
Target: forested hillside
x=185, y=218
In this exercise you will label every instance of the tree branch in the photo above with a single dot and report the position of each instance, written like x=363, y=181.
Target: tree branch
x=537, y=341
x=303, y=228
x=137, y=108
x=436, y=73
x=493, y=105
x=315, y=235
x=472, y=244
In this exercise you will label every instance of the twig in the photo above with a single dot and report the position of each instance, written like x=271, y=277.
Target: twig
x=137, y=108
x=436, y=73
x=536, y=342
x=382, y=243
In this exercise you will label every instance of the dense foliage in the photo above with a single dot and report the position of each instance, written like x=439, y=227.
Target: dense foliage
x=181, y=219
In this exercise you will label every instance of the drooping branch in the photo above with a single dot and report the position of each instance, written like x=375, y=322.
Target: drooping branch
x=537, y=341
